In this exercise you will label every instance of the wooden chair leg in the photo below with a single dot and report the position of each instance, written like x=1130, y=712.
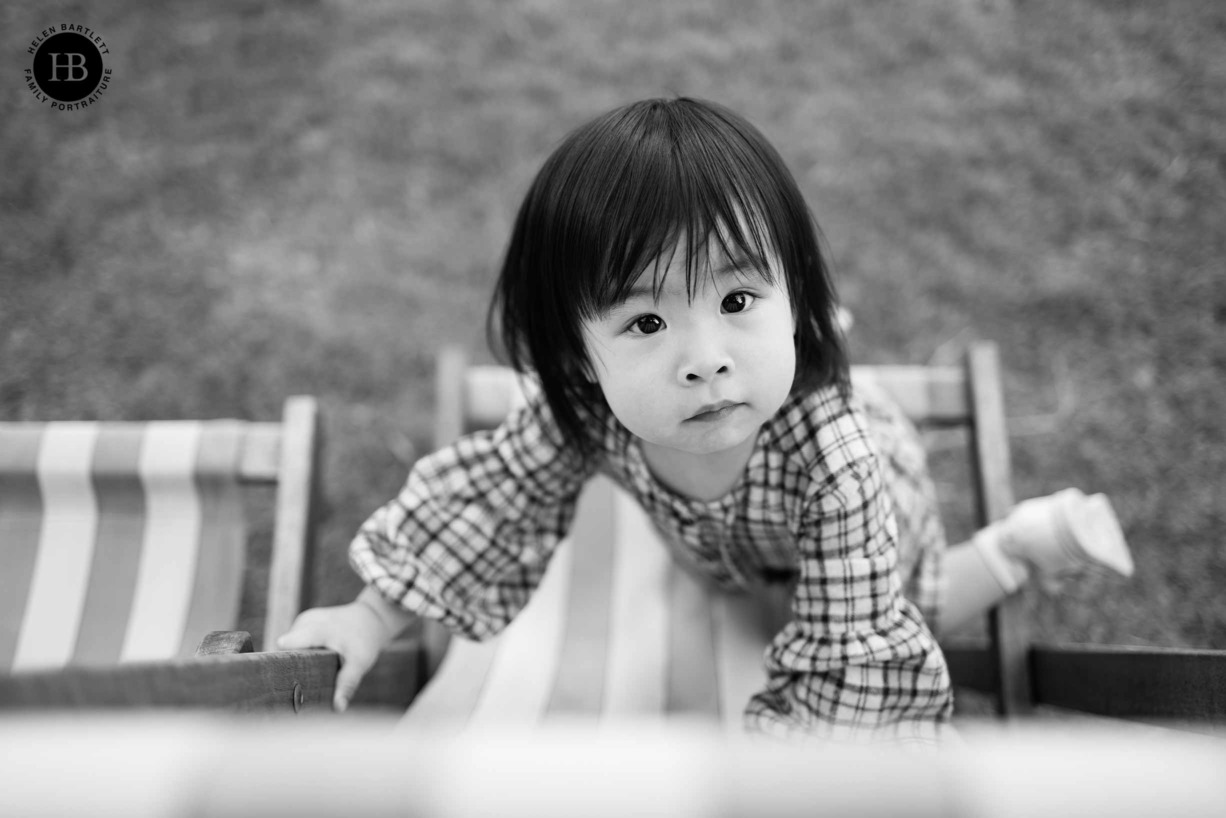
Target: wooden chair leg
x=1008, y=632
x=294, y=539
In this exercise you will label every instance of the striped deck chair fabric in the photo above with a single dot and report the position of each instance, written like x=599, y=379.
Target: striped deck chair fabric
x=124, y=541
x=617, y=628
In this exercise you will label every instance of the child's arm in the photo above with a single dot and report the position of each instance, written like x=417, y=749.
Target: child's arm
x=357, y=631
x=857, y=661
x=465, y=542
x=468, y=539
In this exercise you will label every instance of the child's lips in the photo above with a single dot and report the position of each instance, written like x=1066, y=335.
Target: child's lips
x=714, y=412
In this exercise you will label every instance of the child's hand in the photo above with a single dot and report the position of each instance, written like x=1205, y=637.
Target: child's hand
x=355, y=631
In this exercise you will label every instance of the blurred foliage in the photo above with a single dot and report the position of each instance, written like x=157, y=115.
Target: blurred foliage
x=275, y=198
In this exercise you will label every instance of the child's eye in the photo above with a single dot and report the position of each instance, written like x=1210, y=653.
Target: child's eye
x=736, y=302
x=647, y=324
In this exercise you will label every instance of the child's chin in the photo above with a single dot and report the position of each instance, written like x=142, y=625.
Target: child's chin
x=716, y=442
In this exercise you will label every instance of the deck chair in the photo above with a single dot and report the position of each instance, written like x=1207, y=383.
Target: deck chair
x=125, y=542
x=1173, y=687
x=618, y=629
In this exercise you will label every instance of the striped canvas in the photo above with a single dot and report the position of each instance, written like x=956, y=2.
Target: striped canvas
x=617, y=630
x=118, y=541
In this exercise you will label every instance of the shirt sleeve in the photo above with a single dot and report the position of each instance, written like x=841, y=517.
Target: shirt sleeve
x=856, y=662
x=470, y=535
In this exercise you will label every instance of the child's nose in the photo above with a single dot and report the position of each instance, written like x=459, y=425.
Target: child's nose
x=702, y=364
x=703, y=374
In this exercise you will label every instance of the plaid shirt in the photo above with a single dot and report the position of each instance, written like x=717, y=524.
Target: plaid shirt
x=830, y=486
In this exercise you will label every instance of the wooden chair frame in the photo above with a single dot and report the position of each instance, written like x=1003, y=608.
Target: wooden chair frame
x=1171, y=686
x=969, y=396
x=287, y=454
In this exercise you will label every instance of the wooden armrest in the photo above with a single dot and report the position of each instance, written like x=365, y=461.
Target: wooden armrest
x=224, y=643
x=1177, y=687
x=289, y=681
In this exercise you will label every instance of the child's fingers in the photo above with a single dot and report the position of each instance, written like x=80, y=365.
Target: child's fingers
x=347, y=680
x=343, y=631
x=301, y=635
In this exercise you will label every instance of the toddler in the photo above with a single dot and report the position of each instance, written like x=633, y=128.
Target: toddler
x=665, y=286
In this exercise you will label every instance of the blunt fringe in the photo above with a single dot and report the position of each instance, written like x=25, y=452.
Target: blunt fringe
x=625, y=192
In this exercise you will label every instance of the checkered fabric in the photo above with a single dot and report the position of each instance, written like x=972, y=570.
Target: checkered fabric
x=820, y=507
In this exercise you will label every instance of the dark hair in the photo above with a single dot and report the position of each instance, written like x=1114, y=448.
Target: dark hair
x=622, y=192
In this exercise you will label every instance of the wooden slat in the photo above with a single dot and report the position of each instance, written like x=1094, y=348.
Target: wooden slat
x=247, y=682
x=1132, y=682
x=928, y=395
x=294, y=532
x=990, y=440
x=261, y=460
x=241, y=682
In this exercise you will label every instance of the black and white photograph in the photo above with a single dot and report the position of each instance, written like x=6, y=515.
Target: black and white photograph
x=547, y=408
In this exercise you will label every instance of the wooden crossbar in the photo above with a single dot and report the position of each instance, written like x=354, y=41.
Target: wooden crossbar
x=1183, y=687
x=929, y=395
x=284, y=682
x=1177, y=687
x=1142, y=683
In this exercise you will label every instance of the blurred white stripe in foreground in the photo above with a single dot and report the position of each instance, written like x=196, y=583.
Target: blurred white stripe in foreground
x=147, y=765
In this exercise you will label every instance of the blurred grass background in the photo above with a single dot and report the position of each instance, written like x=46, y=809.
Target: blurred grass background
x=275, y=198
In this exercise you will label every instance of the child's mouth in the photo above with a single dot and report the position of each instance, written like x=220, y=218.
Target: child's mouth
x=717, y=412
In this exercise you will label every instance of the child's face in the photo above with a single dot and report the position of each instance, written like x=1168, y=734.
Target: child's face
x=662, y=365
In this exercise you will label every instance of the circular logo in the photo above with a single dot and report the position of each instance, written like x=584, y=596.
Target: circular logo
x=67, y=67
